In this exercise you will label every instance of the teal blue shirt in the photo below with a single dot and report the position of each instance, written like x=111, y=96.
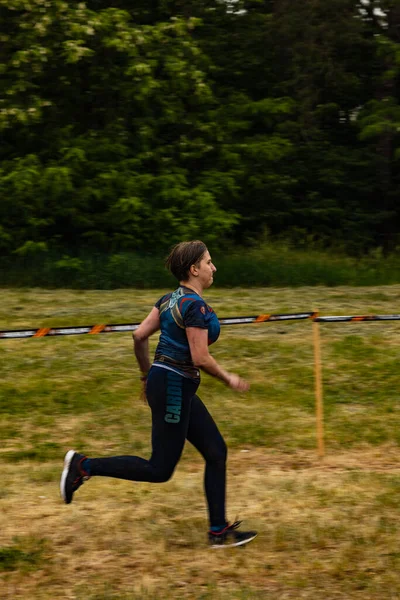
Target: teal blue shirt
x=178, y=310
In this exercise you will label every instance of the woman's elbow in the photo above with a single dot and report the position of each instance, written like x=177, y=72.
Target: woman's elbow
x=200, y=361
x=138, y=337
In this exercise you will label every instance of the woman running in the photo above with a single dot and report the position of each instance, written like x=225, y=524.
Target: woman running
x=188, y=326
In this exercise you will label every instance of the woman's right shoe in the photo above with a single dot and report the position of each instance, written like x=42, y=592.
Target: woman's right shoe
x=229, y=536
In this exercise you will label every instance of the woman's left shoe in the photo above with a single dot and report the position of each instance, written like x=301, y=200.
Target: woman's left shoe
x=73, y=475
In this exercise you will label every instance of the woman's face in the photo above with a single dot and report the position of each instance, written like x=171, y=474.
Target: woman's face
x=206, y=270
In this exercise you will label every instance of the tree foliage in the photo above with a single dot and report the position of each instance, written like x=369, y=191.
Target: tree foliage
x=133, y=125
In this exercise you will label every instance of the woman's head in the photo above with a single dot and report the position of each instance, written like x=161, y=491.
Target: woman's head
x=183, y=256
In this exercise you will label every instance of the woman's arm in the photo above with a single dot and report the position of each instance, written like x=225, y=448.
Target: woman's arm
x=198, y=343
x=150, y=325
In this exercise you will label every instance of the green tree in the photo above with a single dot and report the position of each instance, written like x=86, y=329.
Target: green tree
x=102, y=119
x=379, y=119
x=131, y=125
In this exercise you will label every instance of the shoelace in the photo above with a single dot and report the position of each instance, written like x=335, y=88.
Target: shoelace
x=234, y=525
x=83, y=476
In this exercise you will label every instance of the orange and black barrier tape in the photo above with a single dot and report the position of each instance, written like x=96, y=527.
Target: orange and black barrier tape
x=357, y=318
x=265, y=318
x=96, y=329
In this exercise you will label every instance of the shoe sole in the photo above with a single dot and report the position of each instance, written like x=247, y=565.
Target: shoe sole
x=67, y=463
x=233, y=545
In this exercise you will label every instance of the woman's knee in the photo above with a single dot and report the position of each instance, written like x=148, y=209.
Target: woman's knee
x=223, y=451
x=218, y=452
x=161, y=475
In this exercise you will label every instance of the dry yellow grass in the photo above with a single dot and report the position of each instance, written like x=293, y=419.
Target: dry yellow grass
x=327, y=529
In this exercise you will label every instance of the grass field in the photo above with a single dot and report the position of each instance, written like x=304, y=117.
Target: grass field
x=328, y=529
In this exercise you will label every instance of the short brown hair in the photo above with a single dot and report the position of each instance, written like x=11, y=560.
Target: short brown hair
x=183, y=256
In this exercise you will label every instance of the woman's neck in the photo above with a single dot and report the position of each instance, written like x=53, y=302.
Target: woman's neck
x=192, y=286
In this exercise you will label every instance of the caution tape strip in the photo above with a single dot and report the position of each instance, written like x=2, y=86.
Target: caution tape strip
x=96, y=329
x=357, y=318
x=265, y=318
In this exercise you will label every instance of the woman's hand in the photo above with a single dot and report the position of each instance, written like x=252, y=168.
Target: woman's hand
x=237, y=383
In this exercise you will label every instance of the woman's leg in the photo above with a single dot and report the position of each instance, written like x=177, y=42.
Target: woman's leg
x=169, y=396
x=203, y=433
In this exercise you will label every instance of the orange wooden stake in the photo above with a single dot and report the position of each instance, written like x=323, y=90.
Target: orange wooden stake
x=318, y=390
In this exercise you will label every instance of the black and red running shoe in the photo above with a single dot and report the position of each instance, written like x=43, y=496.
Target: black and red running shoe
x=230, y=536
x=73, y=475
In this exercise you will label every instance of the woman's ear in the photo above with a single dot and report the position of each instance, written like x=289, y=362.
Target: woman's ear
x=193, y=271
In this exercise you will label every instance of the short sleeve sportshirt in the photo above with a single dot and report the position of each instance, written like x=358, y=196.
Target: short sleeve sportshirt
x=178, y=310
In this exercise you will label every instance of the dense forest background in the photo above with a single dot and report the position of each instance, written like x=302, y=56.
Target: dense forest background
x=129, y=125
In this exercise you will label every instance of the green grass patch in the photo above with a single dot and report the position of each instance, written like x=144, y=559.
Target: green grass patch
x=326, y=528
x=268, y=264
x=25, y=554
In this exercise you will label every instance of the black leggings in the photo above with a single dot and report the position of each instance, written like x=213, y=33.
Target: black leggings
x=177, y=414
